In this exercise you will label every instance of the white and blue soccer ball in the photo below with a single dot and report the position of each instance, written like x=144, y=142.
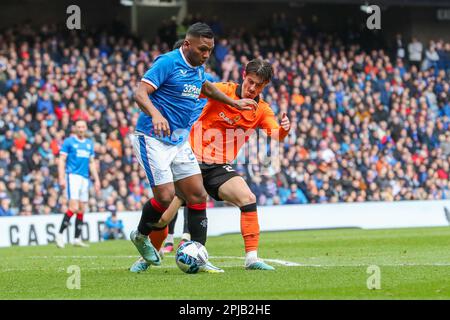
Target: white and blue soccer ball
x=191, y=256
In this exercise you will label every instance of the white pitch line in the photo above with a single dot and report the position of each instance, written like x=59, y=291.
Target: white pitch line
x=278, y=261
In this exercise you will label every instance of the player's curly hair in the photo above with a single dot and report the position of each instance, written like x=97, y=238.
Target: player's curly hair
x=261, y=68
x=200, y=29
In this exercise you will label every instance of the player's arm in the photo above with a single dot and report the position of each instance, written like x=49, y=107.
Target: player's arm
x=170, y=212
x=160, y=124
x=209, y=90
x=94, y=173
x=154, y=78
x=272, y=128
x=62, y=170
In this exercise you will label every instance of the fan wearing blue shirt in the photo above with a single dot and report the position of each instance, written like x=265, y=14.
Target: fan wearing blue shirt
x=76, y=163
x=167, y=96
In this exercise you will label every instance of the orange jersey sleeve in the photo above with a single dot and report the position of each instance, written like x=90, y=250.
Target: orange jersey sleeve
x=269, y=123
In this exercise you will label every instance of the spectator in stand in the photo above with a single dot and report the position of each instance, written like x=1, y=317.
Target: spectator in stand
x=113, y=228
x=368, y=126
x=415, y=49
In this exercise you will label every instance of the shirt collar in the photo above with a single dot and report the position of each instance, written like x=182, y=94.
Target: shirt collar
x=184, y=58
x=78, y=139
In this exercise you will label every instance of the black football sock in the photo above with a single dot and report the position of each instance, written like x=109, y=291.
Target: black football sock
x=197, y=222
x=151, y=213
x=66, y=221
x=78, y=225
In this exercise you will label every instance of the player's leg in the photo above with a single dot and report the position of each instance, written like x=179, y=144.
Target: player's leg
x=155, y=158
x=168, y=245
x=169, y=216
x=189, y=182
x=158, y=233
x=72, y=197
x=192, y=190
x=195, y=196
x=236, y=191
x=79, y=224
x=186, y=234
x=153, y=210
x=83, y=199
x=148, y=239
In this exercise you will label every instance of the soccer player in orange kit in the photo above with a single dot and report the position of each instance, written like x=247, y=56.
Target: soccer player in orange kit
x=215, y=149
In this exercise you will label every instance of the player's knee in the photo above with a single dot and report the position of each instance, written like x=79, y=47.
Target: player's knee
x=197, y=196
x=165, y=198
x=73, y=206
x=246, y=199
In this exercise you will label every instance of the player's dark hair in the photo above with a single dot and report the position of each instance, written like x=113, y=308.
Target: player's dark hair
x=261, y=68
x=200, y=29
x=178, y=44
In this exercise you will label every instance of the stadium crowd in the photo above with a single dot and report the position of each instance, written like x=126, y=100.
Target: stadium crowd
x=368, y=124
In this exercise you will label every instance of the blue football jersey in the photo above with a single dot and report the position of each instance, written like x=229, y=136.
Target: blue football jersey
x=202, y=102
x=78, y=153
x=178, y=86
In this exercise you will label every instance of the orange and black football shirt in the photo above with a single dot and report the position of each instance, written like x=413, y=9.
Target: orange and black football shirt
x=222, y=130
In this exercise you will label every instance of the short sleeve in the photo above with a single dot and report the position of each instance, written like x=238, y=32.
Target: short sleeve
x=65, y=147
x=159, y=71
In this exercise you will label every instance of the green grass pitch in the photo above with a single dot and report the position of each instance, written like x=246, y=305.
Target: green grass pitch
x=327, y=264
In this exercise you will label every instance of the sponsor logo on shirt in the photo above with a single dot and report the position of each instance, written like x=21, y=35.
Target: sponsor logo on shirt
x=191, y=91
x=83, y=154
x=228, y=120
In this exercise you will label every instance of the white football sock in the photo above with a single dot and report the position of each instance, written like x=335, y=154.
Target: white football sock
x=251, y=256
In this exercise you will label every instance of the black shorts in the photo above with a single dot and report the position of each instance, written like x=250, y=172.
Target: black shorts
x=215, y=175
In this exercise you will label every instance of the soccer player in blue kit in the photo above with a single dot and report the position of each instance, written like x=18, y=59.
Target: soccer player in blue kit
x=76, y=162
x=167, y=96
x=169, y=242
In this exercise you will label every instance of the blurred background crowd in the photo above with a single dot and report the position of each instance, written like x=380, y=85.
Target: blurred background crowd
x=367, y=124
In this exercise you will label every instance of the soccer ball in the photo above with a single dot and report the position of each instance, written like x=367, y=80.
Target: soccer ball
x=190, y=256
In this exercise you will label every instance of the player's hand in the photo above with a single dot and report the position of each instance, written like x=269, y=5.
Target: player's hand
x=160, y=125
x=62, y=184
x=245, y=104
x=285, y=122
